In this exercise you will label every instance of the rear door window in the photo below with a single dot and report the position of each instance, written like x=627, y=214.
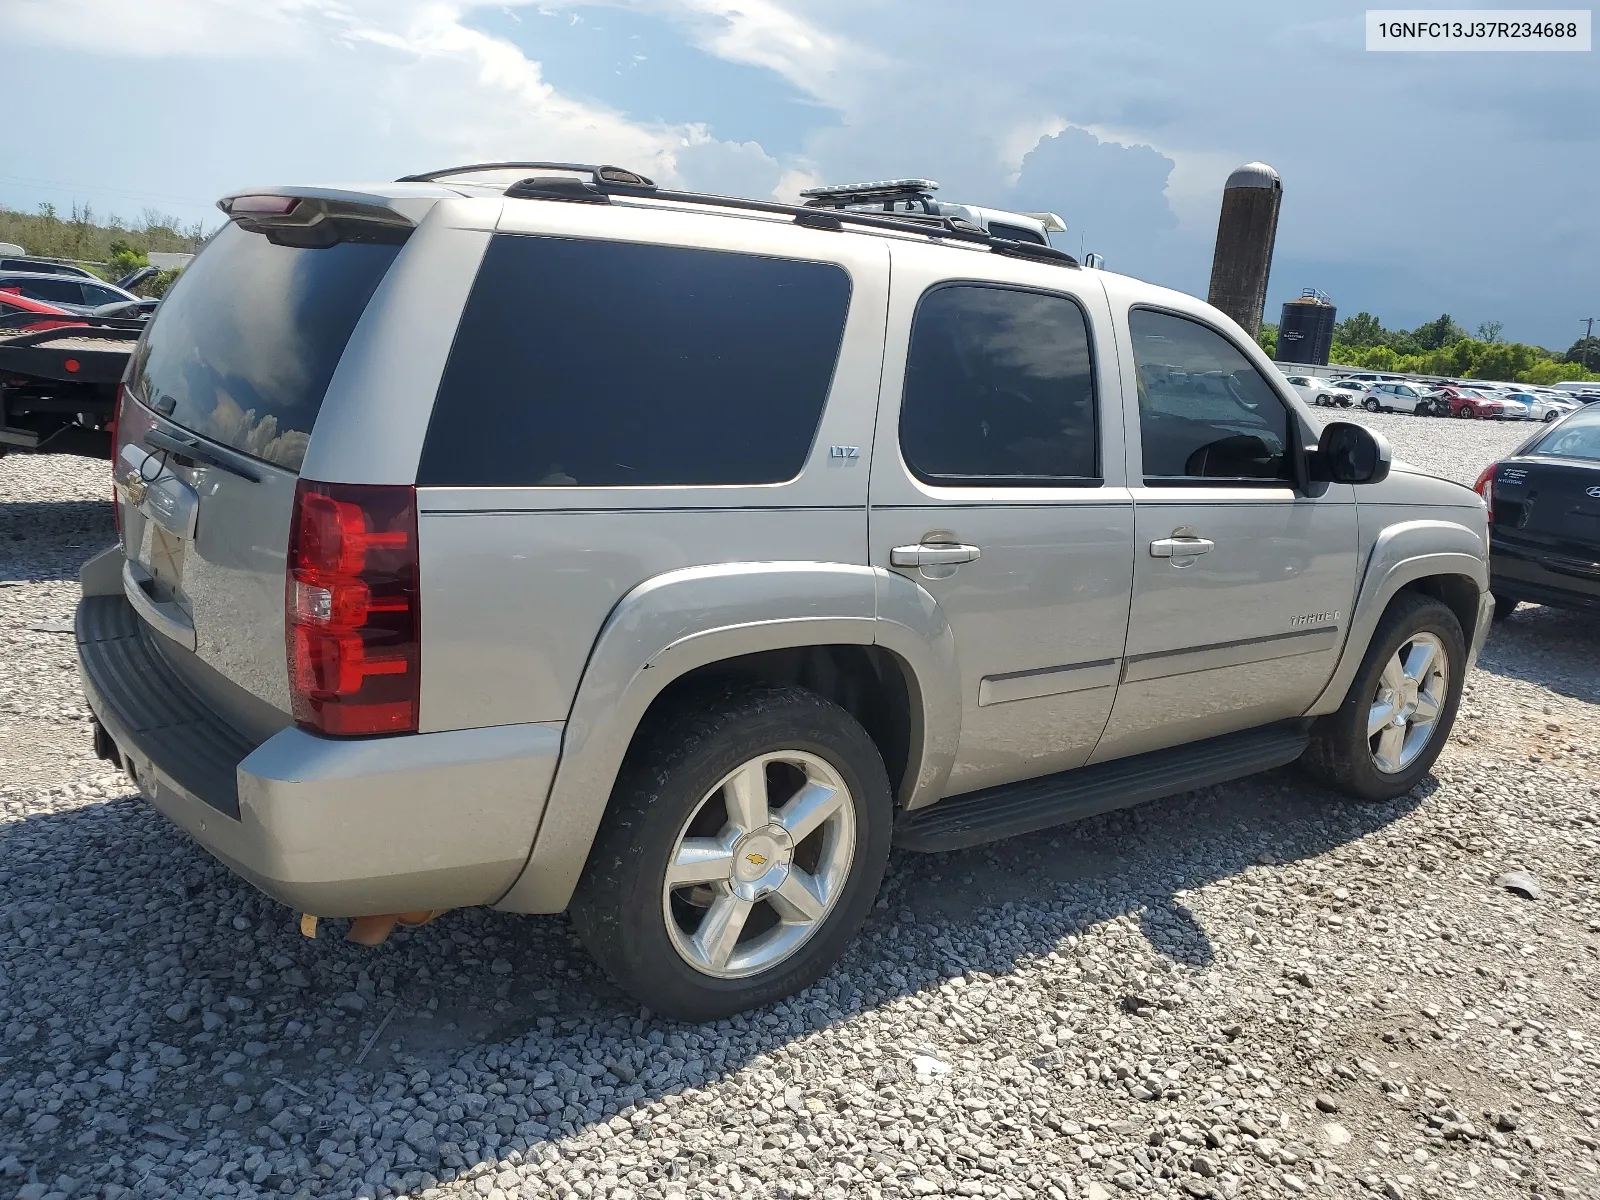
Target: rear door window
x=51, y=291
x=999, y=390
x=585, y=363
x=243, y=347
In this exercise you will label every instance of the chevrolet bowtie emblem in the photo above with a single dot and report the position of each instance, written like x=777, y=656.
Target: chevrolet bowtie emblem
x=756, y=860
x=136, y=487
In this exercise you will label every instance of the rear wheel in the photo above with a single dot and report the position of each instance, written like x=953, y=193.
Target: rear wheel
x=1551, y=416
x=1371, y=405
x=1397, y=715
x=744, y=847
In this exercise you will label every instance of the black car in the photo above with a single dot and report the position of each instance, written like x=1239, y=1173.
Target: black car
x=71, y=292
x=1544, y=517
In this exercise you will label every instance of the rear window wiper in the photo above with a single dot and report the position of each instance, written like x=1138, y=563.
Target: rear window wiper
x=155, y=439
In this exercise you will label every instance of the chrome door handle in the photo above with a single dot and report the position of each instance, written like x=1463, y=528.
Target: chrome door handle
x=928, y=554
x=1180, y=547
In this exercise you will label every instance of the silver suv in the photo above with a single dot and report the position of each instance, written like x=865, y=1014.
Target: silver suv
x=544, y=539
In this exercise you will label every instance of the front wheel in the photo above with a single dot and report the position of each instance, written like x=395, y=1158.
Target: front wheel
x=1397, y=715
x=1465, y=412
x=743, y=848
x=1371, y=405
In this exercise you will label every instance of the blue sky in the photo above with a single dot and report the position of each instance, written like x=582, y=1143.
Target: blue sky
x=1413, y=184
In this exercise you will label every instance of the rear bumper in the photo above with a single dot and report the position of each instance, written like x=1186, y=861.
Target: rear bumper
x=1527, y=574
x=336, y=827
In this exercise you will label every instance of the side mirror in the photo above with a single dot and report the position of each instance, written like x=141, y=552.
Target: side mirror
x=1351, y=453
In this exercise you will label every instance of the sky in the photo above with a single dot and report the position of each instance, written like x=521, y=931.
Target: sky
x=1414, y=184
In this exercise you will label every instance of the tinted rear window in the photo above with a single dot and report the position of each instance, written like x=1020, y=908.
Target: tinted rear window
x=1576, y=437
x=604, y=364
x=243, y=346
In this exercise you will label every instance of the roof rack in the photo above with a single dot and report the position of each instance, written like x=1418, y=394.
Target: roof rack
x=600, y=173
x=881, y=191
x=606, y=181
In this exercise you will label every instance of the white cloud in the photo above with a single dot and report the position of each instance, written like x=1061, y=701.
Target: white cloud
x=158, y=28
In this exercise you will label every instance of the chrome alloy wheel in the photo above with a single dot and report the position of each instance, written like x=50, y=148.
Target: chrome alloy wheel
x=1410, y=696
x=759, y=864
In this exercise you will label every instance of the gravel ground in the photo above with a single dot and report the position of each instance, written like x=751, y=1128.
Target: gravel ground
x=1252, y=990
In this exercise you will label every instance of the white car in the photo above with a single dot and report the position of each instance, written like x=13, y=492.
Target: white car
x=1325, y=392
x=1544, y=405
x=1398, y=397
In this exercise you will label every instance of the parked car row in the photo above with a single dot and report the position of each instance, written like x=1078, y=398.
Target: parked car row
x=1465, y=399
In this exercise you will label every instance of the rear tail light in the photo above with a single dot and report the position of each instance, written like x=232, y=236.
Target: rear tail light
x=1485, y=488
x=353, y=621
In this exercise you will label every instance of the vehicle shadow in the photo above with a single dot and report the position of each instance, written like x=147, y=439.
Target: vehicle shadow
x=194, y=1015
x=49, y=540
x=1555, y=648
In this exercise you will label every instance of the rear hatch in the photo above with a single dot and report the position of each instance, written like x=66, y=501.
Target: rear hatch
x=223, y=393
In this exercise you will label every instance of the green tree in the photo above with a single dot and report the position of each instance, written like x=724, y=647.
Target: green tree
x=1267, y=339
x=1489, y=331
x=1359, y=331
x=1586, y=351
x=125, y=258
x=1442, y=331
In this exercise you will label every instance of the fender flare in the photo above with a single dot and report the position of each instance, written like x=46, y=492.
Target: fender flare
x=1402, y=554
x=682, y=620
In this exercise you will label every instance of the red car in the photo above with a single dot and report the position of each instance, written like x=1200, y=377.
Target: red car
x=1469, y=404
x=21, y=314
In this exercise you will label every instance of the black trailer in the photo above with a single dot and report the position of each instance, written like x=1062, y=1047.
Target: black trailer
x=58, y=387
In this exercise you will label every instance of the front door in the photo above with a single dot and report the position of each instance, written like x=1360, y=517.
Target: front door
x=1243, y=579
x=998, y=488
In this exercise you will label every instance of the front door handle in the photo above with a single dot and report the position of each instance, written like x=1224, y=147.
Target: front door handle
x=930, y=554
x=1180, y=547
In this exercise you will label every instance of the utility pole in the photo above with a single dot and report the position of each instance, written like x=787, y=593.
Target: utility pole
x=1588, y=340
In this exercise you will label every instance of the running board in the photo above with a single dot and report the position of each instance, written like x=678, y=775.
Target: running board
x=1033, y=804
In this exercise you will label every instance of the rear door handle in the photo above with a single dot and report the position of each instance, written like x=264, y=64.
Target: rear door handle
x=1180, y=547
x=927, y=554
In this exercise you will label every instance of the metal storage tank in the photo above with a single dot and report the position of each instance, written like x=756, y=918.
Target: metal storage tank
x=1246, y=231
x=1305, y=331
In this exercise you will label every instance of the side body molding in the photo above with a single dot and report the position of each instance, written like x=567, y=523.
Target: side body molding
x=1403, y=553
x=690, y=618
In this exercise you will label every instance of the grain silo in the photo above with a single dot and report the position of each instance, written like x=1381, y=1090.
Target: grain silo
x=1246, y=231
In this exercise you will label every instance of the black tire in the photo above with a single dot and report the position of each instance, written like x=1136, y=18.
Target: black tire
x=1465, y=412
x=1324, y=401
x=1371, y=405
x=1504, y=606
x=618, y=907
x=1340, y=753
x=1551, y=416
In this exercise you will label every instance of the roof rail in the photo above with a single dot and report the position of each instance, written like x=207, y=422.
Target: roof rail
x=604, y=186
x=598, y=173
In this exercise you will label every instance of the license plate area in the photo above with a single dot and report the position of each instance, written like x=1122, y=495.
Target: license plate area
x=161, y=526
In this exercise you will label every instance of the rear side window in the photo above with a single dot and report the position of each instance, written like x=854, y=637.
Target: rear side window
x=243, y=346
x=999, y=390
x=613, y=364
x=51, y=291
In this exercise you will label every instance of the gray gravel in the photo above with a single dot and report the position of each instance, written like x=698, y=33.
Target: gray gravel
x=1253, y=990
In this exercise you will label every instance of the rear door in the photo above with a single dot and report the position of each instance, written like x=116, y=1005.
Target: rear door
x=997, y=487
x=1243, y=579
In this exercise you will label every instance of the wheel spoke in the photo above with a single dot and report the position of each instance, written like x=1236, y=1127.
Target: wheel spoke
x=1420, y=659
x=1427, y=709
x=719, y=930
x=1394, y=673
x=811, y=806
x=1378, y=716
x=746, y=796
x=700, y=860
x=796, y=898
x=1391, y=743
